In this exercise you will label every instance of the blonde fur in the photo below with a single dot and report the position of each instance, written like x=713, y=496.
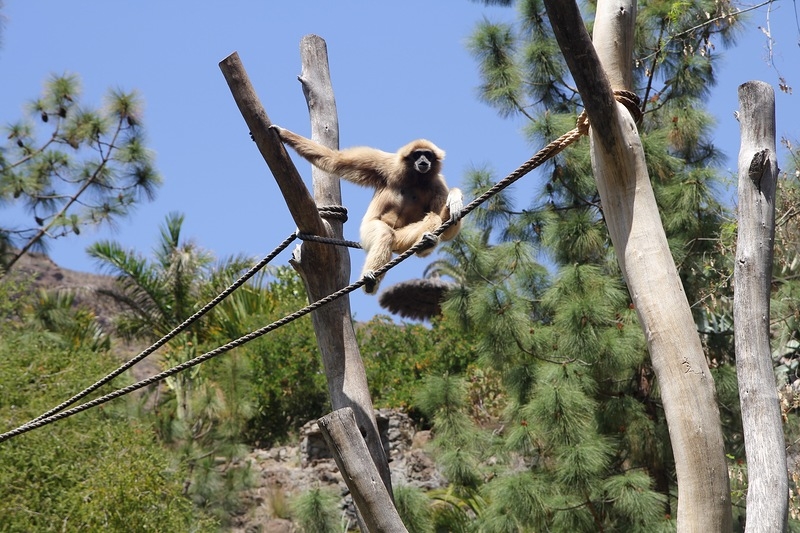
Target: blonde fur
x=407, y=203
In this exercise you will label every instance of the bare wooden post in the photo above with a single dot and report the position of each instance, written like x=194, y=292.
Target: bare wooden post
x=634, y=224
x=768, y=481
x=325, y=273
x=341, y=433
x=323, y=268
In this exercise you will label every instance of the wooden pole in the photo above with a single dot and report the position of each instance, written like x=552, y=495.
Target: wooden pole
x=768, y=481
x=362, y=478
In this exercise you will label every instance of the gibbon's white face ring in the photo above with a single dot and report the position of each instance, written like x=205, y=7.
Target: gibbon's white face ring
x=422, y=164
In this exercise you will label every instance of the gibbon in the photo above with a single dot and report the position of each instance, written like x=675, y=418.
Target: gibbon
x=411, y=197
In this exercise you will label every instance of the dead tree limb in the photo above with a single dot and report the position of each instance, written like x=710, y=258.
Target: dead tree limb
x=768, y=482
x=298, y=199
x=323, y=268
x=634, y=224
x=362, y=478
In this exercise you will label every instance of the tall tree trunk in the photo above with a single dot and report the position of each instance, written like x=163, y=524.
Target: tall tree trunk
x=768, y=480
x=634, y=224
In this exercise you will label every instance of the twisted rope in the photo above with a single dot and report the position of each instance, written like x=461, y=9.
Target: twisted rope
x=169, y=336
x=333, y=212
x=630, y=100
x=328, y=240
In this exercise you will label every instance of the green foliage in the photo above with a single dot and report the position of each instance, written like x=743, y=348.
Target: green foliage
x=635, y=501
x=95, y=471
x=785, y=311
x=414, y=508
x=204, y=414
x=317, y=511
x=458, y=444
x=518, y=503
x=157, y=295
x=396, y=358
x=92, y=168
x=582, y=444
x=15, y=297
x=289, y=385
x=76, y=326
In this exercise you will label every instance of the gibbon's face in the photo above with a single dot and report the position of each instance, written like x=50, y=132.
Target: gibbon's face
x=423, y=160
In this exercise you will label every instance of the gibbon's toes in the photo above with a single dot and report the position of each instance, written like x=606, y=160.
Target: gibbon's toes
x=429, y=240
x=370, y=282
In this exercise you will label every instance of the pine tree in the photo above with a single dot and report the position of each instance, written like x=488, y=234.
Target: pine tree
x=585, y=443
x=92, y=168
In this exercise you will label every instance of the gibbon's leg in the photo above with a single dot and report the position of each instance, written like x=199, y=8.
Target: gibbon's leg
x=408, y=236
x=451, y=232
x=376, y=239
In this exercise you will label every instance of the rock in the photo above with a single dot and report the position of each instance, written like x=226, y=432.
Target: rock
x=286, y=471
x=277, y=525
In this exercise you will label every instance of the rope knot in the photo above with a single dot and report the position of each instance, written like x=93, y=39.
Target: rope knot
x=333, y=212
x=631, y=102
x=627, y=98
x=582, y=124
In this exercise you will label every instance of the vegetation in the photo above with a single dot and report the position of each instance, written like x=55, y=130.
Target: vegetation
x=584, y=445
x=92, y=168
x=102, y=470
x=536, y=381
x=317, y=511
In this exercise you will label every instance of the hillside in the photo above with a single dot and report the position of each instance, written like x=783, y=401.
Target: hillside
x=45, y=274
x=277, y=475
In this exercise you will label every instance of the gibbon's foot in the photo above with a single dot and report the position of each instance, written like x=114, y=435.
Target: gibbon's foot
x=370, y=282
x=429, y=240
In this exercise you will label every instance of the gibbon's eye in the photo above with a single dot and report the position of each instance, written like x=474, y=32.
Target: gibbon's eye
x=416, y=154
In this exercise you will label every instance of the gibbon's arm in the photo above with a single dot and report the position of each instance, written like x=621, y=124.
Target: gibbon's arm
x=360, y=165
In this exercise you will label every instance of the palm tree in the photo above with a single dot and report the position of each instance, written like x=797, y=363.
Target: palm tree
x=205, y=417
x=161, y=294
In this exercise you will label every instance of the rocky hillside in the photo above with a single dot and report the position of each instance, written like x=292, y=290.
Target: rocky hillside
x=283, y=472
x=43, y=273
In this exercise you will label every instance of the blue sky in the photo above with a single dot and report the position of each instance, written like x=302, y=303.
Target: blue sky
x=400, y=71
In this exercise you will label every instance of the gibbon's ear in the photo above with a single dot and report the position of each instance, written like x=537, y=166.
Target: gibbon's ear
x=421, y=144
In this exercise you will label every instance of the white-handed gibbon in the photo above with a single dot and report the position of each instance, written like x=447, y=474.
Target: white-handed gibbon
x=411, y=197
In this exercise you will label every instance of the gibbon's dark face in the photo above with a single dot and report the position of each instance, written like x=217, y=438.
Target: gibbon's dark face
x=423, y=160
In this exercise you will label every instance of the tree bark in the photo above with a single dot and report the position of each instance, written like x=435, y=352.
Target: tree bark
x=324, y=268
x=634, y=224
x=768, y=481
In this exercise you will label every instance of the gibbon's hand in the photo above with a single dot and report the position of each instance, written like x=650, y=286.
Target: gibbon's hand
x=277, y=130
x=455, y=203
x=370, y=281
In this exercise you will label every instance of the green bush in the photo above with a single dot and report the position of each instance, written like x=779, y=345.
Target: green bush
x=398, y=357
x=96, y=471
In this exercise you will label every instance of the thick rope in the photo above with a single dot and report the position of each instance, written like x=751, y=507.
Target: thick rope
x=333, y=212
x=169, y=336
x=549, y=151
x=328, y=240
